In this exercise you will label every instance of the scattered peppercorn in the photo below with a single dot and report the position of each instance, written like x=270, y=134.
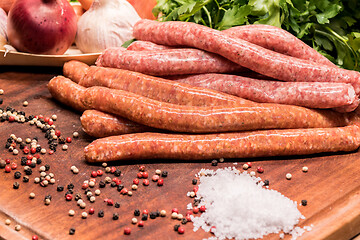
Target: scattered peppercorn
x=16, y=185
x=194, y=181
x=305, y=169
x=117, y=205
x=288, y=176
x=26, y=179
x=214, y=163
x=266, y=182
x=144, y=217
x=176, y=227
x=184, y=221
x=153, y=215
x=72, y=231
x=160, y=182
x=101, y=213
x=164, y=174
x=127, y=231
x=260, y=169
x=117, y=173
x=304, y=202
x=115, y=216
x=137, y=212
x=17, y=175
x=60, y=188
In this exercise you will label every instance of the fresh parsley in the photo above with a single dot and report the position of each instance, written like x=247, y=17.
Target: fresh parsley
x=329, y=26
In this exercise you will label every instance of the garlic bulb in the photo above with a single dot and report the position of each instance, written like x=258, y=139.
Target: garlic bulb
x=108, y=23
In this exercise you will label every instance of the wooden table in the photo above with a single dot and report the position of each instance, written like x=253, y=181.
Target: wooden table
x=331, y=186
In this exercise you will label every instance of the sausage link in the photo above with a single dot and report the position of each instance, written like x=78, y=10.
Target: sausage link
x=264, y=143
x=180, y=118
x=306, y=94
x=158, y=88
x=278, y=40
x=75, y=70
x=251, y=56
x=66, y=91
x=99, y=124
x=146, y=46
x=167, y=62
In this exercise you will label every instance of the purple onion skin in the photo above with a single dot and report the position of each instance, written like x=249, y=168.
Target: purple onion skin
x=42, y=26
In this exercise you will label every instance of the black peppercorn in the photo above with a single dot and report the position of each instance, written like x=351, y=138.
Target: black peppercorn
x=23, y=161
x=22, y=145
x=61, y=140
x=47, y=168
x=184, y=221
x=69, y=186
x=17, y=175
x=266, y=182
x=157, y=213
x=60, y=188
x=9, y=140
x=1, y=101
x=101, y=213
x=28, y=171
x=25, y=179
x=102, y=184
x=113, y=184
x=164, y=174
x=176, y=227
x=137, y=212
x=197, y=202
x=153, y=215
x=33, y=165
x=194, y=181
x=7, y=145
x=72, y=231
x=78, y=196
x=117, y=205
x=214, y=163
x=16, y=185
x=120, y=187
x=38, y=161
x=144, y=217
x=38, y=149
x=115, y=216
x=304, y=202
x=117, y=173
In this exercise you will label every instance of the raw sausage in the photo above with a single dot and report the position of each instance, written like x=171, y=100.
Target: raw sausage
x=158, y=88
x=66, y=91
x=146, y=46
x=264, y=143
x=75, y=70
x=278, y=40
x=167, y=61
x=180, y=118
x=306, y=94
x=99, y=124
x=251, y=56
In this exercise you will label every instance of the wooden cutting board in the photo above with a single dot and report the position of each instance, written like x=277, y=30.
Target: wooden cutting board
x=331, y=186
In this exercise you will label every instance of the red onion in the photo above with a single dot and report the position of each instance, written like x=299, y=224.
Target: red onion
x=42, y=26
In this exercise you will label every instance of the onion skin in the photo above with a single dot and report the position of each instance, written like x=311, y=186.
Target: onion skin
x=42, y=26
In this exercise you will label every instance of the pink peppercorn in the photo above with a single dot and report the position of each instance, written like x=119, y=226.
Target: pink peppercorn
x=160, y=182
x=181, y=230
x=141, y=223
x=13, y=166
x=37, y=156
x=139, y=175
x=110, y=202
x=124, y=191
x=91, y=211
x=51, y=152
x=46, y=119
x=7, y=169
x=188, y=218
x=28, y=162
x=142, y=168
x=58, y=133
x=202, y=208
x=93, y=180
x=195, y=189
x=112, y=169
x=146, y=182
x=68, y=197
x=33, y=150
x=249, y=164
x=29, y=157
x=26, y=150
x=175, y=210
x=7, y=161
x=99, y=172
x=136, y=181
x=155, y=178
x=145, y=211
x=11, y=119
x=145, y=175
x=127, y=231
x=85, y=186
x=93, y=174
x=35, y=237
x=40, y=116
x=68, y=139
x=195, y=210
x=51, y=122
x=260, y=169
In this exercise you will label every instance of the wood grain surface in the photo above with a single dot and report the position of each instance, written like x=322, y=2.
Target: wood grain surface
x=331, y=186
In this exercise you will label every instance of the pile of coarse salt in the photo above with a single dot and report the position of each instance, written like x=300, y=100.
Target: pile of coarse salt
x=239, y=207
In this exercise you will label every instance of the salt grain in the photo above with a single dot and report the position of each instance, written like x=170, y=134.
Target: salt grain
x=240, y=207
